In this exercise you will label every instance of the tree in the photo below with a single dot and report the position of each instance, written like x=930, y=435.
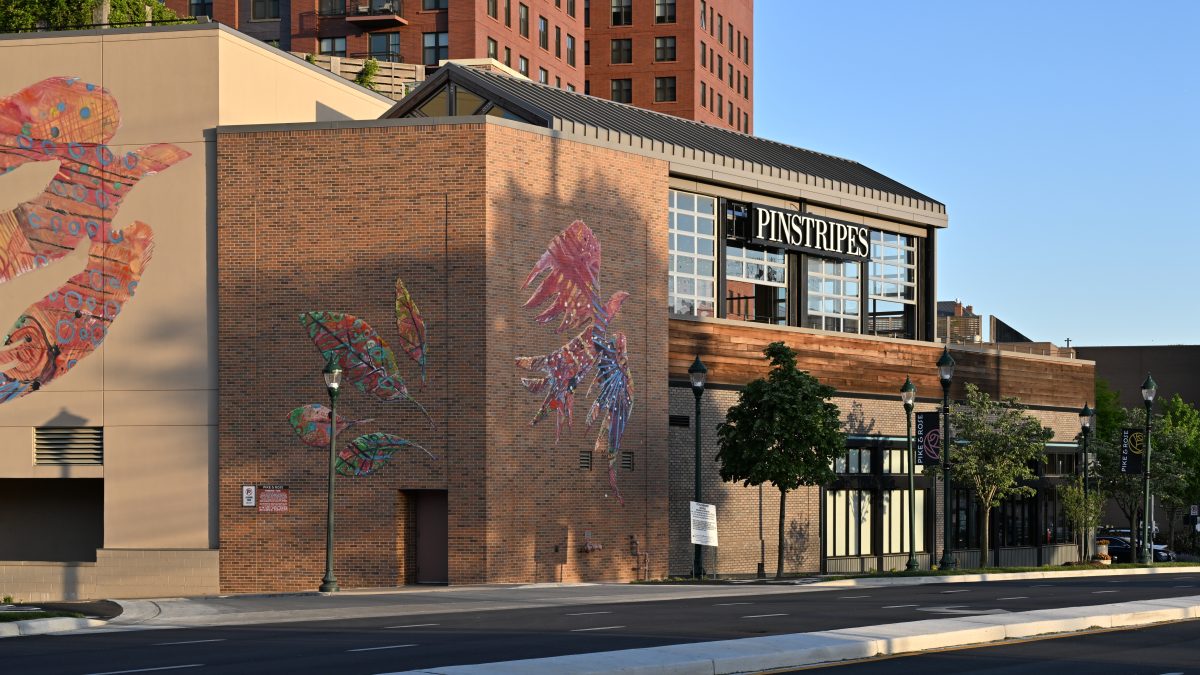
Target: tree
x=1002, y=445
x=28, y=15
x=1109, y=414
x=1175, y=479
x=366, y=76
x=1082, y=510
x=783, y=430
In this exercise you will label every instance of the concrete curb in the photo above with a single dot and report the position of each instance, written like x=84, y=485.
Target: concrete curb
x=750, y=655
x=46, y=626
x=999, y=576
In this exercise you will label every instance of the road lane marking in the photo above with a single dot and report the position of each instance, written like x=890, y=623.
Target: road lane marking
x=581, y=630
x=960, y=591
x=731, y=604
x=898, y=606
x=1095, y=592
x=1183, y=586
x=588, y=613
x=851, y=597
x=1016, y=597
x=188, y=642
x=373, y=649
x=149, y=669
x=760, y=616
x=412, y=625
x=1116, y=581
x=1042, y=585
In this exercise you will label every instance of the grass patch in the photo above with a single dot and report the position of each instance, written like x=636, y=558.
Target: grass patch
x=22, y=616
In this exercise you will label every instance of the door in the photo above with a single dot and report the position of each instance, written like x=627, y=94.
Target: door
x=432, y=537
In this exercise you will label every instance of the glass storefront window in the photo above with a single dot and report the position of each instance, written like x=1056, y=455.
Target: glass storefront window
x=756, y=284
x=896, y=520
x=847, y=522
x=892, y=288
x=692, y=256
x=833, y=295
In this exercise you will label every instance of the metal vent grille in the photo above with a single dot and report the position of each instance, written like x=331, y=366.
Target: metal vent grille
x=627, y=461
x=585, y=460
x=679, y=421
x=68, y=445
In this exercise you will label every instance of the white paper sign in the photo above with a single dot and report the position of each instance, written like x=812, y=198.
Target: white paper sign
x=704, y=524
x=248, y=495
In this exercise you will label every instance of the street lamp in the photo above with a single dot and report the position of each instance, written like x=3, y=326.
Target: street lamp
x=333, y=383
x=698, y=374
x=908, y=395
x=945, y=373
x=1085, y=424
x=1149, y=389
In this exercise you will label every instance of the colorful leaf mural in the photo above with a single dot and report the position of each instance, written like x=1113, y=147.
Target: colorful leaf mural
x=570, y=287
x=311, y=424
x=365, y=454
x=411, y=326
x=69, y=121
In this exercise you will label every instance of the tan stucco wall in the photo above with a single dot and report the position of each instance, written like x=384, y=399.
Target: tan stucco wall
x=152, y=385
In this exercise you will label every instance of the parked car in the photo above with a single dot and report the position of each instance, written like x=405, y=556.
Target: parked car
x=1122, y=552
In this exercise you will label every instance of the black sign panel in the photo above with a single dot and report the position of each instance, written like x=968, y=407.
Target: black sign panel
x=1133, y=450
x=808, y=232
x=929, y=438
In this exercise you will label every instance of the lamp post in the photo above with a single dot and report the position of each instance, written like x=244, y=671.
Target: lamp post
x=1085, y=423
x=698, y=374
x=333, y=383
x=908, y=395
x=945, y=366
x=1149, y=388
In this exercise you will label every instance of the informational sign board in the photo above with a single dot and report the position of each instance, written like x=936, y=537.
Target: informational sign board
x=1133, y=450
x=704, y=524
x=248, y=495
x=272, y=498
x=929, y=438
x=1194, y=510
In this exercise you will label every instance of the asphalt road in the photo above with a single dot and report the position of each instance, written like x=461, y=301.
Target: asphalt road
x=1172, y=648
x=407, y=641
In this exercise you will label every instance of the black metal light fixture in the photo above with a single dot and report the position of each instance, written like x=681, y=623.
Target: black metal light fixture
x=908, y=396
x=945, y=366
x=333, y=383
x=698, y=374
x=1085, y=424
x=1149, y=389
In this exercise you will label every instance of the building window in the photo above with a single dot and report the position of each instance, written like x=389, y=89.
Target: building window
x=587, y=87
x=543, y=33
x=703, y=94
x=703, y=56
x=731, y=112
x=896, y=520
x=856, y=461
x=262, y=10
x=557, y=82
x=703, y=6
x=334, y=46
x=746, y=122
x=833, y=295
x=570, y=50
x=730, y=36
x=384, y=46
x=523, y=20
x=746, y=87
x=622, y=12
x=557, y=42
x=847, y=523
x=664, y=11
x=523, y=66
x=720, y=28
x=491, y=8
x=622, y=51
x=964, y=520
x=756, y=284
x=434, y=4
x=720, y=103
x=571, y=8
x=892, y=288
x=720, y=66
x=587, y=52
x=1055, y=528
x=493, y=49
x=664, y=89
x=692, y=256
x=587, y=13
x=1014, y=522
x=508, y=13
x=543, y=76
x=622, y=91
x=508, y=56
x=205, y=8
x=731, y=75
x=570, y=87
x=746, y=50
x=436, y=48
x=664, y=49
x=327, y=7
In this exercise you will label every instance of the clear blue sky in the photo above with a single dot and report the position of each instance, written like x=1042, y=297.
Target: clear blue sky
x=1063, y=136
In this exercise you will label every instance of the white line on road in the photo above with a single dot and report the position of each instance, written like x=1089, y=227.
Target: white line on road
x=146, y=670
x=588, y=613
x=1116, y=581
x=760, y=616
x=898, y=606
x=412, y=625
x=1042, y=585
x=851, y=597
x=730, y=604
x=581, y=630
x=1016, y=597
x=1182, y=586
x=959, y=591
x=372, y=649
x=1095, y=592
x=188, y=642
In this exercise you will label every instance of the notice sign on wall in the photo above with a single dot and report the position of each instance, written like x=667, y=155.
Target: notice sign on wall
x=704, y=524
x=1133, y=449
x=249, y=493
x=272, y=499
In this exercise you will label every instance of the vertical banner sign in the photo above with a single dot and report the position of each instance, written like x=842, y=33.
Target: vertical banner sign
x=704, y=524
x=929, y=438
x=1133, y=450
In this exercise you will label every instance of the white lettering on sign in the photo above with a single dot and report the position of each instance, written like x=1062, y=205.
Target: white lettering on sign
x=805, y=231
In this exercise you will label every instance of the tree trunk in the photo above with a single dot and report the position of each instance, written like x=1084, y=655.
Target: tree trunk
x=983, y=537
x=782, y=520
x=1172, y=516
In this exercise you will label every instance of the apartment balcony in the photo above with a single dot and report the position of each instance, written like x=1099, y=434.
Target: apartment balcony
x=375, y=14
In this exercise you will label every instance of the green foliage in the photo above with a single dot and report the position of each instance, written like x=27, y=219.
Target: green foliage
x=134, y=11
x=1109, y=414
x=1002, y=442
x=366, y=76
x=784, y=430
x=28, y=15
x=310, y=57
x=1082, y=510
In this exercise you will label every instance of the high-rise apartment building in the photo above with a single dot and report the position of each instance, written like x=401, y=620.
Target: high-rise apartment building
x=690, y=58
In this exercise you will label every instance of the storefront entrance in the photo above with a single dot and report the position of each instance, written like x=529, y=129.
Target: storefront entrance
x=432, y=536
